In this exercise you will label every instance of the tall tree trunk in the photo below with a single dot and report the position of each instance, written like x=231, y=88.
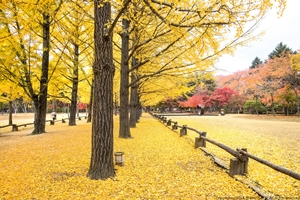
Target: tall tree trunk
x=133, y=102
x=124, y=131
x=73, y=107
x=256, y=105
x=272, y=104
x=89, y=118
x=102, y=164
x=10, y=121
x=139, y=110
x=134, y=87
x=54, y=104
x=40, y=101
x=25, y=108
x=297, y=101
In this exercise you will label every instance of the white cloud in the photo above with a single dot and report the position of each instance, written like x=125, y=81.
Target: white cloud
x=285, y=29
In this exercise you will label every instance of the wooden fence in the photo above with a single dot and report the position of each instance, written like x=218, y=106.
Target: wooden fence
x=238, y=164
x=15, y=127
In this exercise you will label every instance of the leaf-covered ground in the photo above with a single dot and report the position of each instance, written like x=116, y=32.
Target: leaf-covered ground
x=274, y=139
x=158, y=165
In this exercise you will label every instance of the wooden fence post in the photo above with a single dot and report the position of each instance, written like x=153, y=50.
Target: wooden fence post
x=174, y=127
x=238, y=166
x=169, y=122
x=14, y=127
x=245, y=162
x=200, y=141
x=164, y=119
x=183, y=131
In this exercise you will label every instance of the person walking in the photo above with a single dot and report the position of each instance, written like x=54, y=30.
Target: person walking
x=53, y=115
x=199, y=109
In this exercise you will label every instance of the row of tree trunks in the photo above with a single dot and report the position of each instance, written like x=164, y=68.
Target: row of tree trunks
x=73, y=107
x=135, y=106
x=133, y=97
x=125, y=123
x=124, y=83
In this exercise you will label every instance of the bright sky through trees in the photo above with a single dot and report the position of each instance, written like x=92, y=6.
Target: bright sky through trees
x=285, y=29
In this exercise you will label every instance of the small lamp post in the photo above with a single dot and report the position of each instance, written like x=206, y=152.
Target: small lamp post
x=119, y=158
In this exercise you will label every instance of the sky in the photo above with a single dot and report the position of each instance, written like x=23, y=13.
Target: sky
x=285, y=29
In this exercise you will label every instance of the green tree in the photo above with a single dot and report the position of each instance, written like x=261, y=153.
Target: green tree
x=254, y=105
x=255, y=63
x=279, y=50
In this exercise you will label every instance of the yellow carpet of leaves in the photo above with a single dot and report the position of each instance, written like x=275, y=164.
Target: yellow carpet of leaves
x=275, y=141
x=158, y=165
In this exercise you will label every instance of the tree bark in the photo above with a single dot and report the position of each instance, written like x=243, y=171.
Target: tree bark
x=124, y=131
x=133, y=102
x=272, y=104
x=297, y=101
x=40, y=101
x=102, y=164
x=10, y=121
x=73, y=107
x=54, y=104
x=90, y=107
x=139, y=109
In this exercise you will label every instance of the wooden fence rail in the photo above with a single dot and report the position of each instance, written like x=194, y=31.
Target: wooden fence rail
x=238, y=164
x=15, y=127
x=271, y=165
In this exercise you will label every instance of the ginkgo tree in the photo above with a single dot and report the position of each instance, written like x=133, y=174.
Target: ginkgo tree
x=212, y=19
x=26, y=28
x=9, y=92
x=73, y=45
x=181, y=34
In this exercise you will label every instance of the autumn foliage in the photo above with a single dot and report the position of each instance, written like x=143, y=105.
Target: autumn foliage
x=219, y=98
x=275, y=82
